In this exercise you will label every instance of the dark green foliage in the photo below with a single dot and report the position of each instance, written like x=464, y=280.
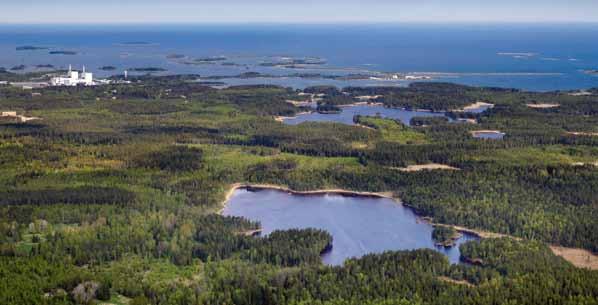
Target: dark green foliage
x=290, y=248
x=78, y=195
x=328, y=108
x=175, y=158
x=444, y=235
x=140, y=300
x=517, y=270
x=427, y=121
x=117, y=185
x=143, y=107
x=277, y=169
x=434, y=96
x=221, y=237
x=103, y=292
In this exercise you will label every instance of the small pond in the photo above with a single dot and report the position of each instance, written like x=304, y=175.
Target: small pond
x=489, y=135
x=359, y=225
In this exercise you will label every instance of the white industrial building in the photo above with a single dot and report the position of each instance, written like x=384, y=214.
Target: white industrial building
x=74, y=78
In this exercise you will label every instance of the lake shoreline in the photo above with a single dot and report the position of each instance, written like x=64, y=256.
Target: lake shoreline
x=341, y=192
x=356, y=104
x=569, y=254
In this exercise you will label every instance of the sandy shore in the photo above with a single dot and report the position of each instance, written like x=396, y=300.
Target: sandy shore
x=450, y=280
x=478, y=132
x=584, y=164
x=580, y=93
x=299, y=103
x=341, y=192
x=361, y=104
x=474, y=106
x=282, y=118
x=365, y=126
x=469, y=121
x=542, y=106
x=578, y=257
x=14, y=115
x=421, y=167
x=367, y=97
x=582, y=133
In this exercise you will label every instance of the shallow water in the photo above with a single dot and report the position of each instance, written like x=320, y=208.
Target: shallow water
x=359, y=225
x=489, y=135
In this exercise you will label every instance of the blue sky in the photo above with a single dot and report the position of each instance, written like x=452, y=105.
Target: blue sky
x=295, y=11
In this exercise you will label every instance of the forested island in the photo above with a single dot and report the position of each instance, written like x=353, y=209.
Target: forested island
x=445, y=236
x=18, y=68
x=61, y=52
x=30, y=48
x=112, y=196
x=107, y=68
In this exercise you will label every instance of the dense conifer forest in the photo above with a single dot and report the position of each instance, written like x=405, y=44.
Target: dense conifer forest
x=112, y=196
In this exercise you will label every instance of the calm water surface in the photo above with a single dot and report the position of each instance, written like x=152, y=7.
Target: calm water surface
x=489, y=135
x=359, y=225
x=532, y=57
x=347, y=114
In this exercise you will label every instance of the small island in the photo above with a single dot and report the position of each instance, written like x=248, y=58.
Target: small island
x=175, y=56
x=18, y=68
x=107, y=68
x=328, y=109
x=294, y=62
x=30, y=48
x=445, y=236
x=210, y=59
x=62, y=53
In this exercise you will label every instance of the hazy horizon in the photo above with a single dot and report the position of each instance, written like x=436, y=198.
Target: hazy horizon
x=291, y=12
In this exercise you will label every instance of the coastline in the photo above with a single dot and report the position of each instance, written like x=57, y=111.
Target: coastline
x=428, y=166
x=487, y=131
x=281, y=118
x=474, y=106
x=342, y=192
x=582, y=133
x=543, y=106
x=371, y=104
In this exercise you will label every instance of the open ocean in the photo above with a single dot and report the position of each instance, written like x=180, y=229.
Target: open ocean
x=532, y=57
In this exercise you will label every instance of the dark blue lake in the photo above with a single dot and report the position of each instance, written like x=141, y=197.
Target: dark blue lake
x=348, y=112
x=526, y=56
x=359, y=225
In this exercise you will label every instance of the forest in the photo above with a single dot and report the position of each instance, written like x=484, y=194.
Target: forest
x=112, y=195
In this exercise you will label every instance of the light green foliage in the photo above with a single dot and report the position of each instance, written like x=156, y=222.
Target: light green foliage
x=119, y=185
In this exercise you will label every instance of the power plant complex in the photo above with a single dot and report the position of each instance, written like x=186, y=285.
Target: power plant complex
x=73, y=78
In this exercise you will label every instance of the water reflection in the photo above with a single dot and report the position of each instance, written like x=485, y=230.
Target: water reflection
x=359, y=225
